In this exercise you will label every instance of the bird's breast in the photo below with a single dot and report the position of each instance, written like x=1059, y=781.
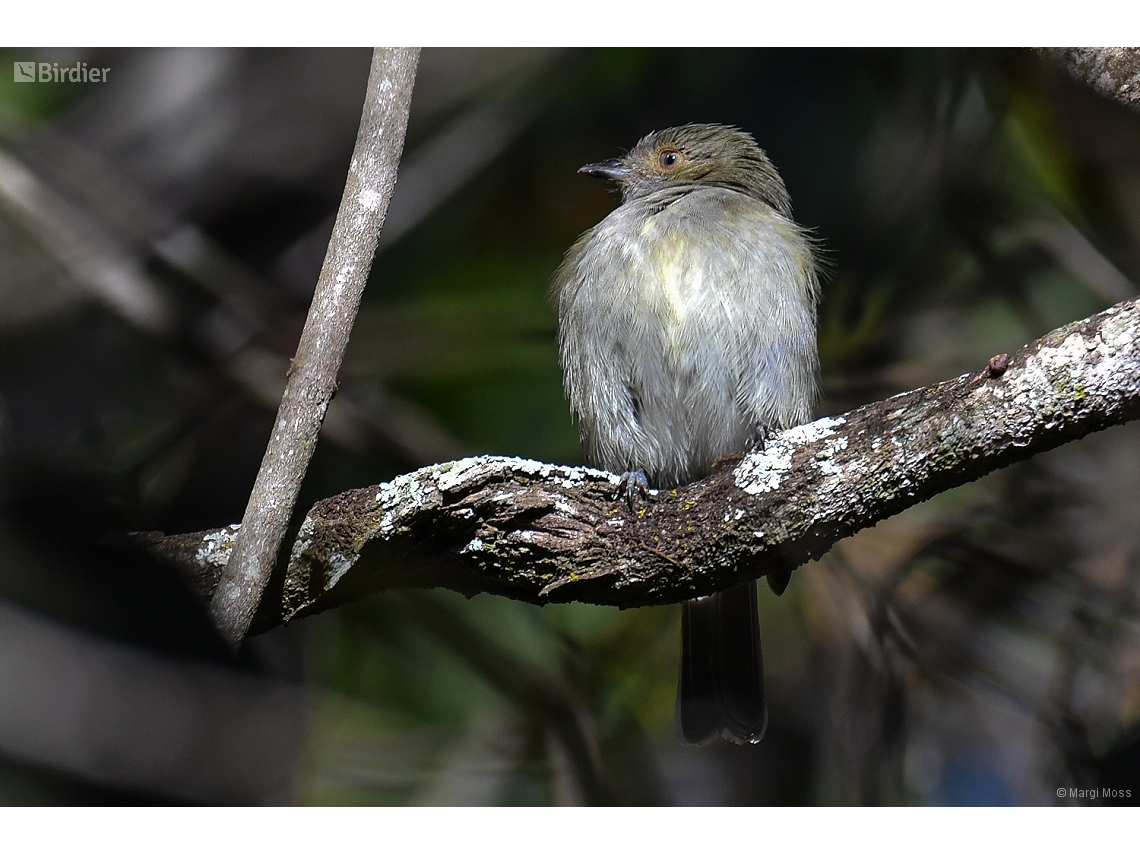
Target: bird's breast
x=669, y=272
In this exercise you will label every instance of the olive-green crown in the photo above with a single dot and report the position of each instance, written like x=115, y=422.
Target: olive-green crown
x=709, y=155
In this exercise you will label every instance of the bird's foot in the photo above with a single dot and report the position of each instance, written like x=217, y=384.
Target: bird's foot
x=759, y=437
x=633, y=484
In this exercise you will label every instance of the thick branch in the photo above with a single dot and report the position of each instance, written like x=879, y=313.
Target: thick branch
x=1111, y=71
x=312, y=376
x=546, y=533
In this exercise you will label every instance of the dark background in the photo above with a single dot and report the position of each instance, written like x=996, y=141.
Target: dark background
x=160, y=235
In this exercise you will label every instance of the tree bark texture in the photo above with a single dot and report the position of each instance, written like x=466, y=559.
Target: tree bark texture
x=312, y=374
x=545, y=533
x=1111, y=71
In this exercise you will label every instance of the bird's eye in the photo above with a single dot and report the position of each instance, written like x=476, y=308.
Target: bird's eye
x=670, y=158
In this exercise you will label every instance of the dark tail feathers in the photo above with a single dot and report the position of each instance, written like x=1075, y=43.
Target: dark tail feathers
x=721, y=691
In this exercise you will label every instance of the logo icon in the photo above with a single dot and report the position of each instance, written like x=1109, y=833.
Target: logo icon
x=24, y=72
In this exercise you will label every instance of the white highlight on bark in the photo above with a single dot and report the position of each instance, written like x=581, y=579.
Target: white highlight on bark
x=217, y=546
x=763, y=471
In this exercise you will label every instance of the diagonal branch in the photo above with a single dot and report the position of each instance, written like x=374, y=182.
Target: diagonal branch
x=545, y=533
x=1112, y=71
x=312, y=375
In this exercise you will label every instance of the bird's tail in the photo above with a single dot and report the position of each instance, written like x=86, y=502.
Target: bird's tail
x=721, y=690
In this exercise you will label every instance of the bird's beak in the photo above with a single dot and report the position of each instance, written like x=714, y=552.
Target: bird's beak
x=611, y=170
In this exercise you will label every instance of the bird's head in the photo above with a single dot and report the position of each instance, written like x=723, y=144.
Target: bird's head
x=691, y=156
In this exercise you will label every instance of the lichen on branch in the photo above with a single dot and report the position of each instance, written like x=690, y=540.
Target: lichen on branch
x=545, y=533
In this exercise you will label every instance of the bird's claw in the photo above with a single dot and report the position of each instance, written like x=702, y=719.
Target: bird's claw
x=758, y=439
x=631, y=485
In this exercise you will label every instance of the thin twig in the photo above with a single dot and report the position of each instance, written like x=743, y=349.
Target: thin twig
x=312, y=376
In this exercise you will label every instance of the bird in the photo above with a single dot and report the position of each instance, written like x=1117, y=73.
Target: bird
x=686, y=333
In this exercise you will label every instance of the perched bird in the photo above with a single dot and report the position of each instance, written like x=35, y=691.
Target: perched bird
x=687, y=330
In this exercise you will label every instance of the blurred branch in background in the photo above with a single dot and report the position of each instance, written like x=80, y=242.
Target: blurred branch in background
x=549, y=705
x=91, y=255
x=246, y=334
x=143, y=723
x=252, y=329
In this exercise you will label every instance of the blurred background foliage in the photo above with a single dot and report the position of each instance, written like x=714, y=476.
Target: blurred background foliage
x=160, y=235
